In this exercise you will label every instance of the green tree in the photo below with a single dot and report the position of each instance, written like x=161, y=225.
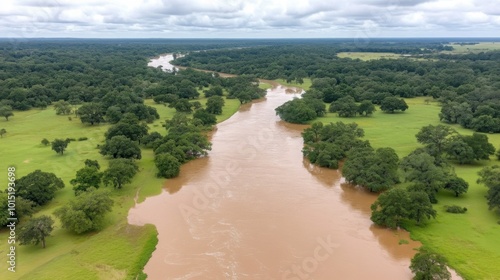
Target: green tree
x=429, y=266
x=390, y=208
x=296, y=111
x=92, y=163
x=206, y=118
x=39, y=187
x=24, y=208
x=45, y=142
x=419, y=167
x=59, y=145
x=375, y=170
x=459, y=150
x=183, y=105
x=3, y=131
x=366, y=108
x=133, y=131
x=215, y=104
x=490, y=177
x=121, y=147
x=435, y=138
x=120, y=172
x=213, y=91
x=114, y=114
x=345, y=107
x=391, y=104
x=480, y=146
x=6, y=111
x=168, y=165
x=456, y=185
x=62, y=107
x=91, y=113
x=86, y=212
x=420, y=206
x=86, y=178
x=36, y=230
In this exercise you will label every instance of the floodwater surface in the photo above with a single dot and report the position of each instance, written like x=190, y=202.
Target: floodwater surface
x=255, y=209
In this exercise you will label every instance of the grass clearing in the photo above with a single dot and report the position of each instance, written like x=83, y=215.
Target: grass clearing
x=469, y=241
x=476, y=48
x=120, y=250
x=368, y=55
x=305, y=85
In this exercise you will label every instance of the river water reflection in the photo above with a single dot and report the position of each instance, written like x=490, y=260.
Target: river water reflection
x=254, y=209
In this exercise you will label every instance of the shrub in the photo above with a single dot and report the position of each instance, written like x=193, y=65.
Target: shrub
x=83, y=139
x=455, y=209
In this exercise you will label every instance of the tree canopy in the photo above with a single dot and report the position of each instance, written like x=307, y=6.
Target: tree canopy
x=39, y=187
x=36, y=230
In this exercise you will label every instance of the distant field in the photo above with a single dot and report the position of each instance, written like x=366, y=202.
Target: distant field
x=368, y=55
x=468, y=241
x=118, y=251
x=480, y=47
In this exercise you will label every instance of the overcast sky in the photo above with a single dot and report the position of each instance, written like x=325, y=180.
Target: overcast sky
x=249, y=19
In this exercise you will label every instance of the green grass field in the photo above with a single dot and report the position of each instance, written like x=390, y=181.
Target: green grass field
x=480, y=47
x=120, y=250
x=368, y=55
x=469, y=241
x=306, y=85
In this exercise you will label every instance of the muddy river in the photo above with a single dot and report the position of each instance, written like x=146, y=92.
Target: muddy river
x=254, y=209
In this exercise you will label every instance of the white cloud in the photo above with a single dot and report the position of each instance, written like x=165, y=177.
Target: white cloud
x=240, y=18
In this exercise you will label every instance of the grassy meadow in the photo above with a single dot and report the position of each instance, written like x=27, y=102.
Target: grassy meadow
x=480, y=47
x=368, y=55
x=120, y=250
x=469, y=241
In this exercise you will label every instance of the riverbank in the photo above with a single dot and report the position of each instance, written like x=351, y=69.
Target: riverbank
x=469, y=241
x=120, y=250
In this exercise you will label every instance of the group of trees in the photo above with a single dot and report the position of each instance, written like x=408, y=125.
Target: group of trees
x=490, y=177
x=441, y=141
x=301, y=110
x=184, y=141
x=326, y=145
x=33, y=190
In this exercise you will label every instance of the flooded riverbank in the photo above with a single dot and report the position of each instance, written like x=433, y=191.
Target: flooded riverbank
x=254, y=209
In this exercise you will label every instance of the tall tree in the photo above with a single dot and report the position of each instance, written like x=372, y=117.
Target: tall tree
x=91, y=113
x=121, y=147
x=390, y=208
x=59, y=146
x=215, y=104
x=36, y=230
x=435, y=138
x=120, y=172
x=490, y=177
x=85, y=212
x=62, y=107
x=86, y=178
x=419, y=167
x=429, y=266
x=391, y=104
x=6, y=111
x=39, y=187
x=420, y=206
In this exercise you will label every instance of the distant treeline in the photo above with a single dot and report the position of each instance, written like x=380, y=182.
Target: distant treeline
x=468, y=85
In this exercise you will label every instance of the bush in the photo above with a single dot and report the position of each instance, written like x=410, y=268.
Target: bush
x=83, y=139
x=70, y=140
x=455, y=209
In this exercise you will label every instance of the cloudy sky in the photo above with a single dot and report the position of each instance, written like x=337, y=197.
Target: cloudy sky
x=249, y=19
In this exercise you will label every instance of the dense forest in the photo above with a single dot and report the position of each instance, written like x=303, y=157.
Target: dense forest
x=468, y=85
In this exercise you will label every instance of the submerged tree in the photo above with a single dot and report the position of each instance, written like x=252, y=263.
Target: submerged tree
x=429, y=266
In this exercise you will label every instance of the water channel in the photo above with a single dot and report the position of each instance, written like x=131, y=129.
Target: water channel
x=255, y=209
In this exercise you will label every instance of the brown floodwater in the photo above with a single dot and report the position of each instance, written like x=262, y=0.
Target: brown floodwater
x=255, y=209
